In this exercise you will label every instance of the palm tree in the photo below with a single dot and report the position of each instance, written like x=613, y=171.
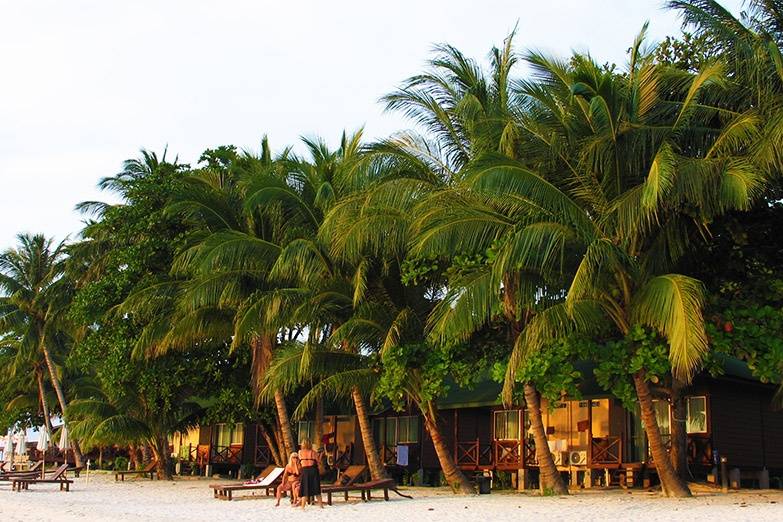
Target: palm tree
x=36, y=297
x=471, y=114
x=134, y=419
x=632, y=166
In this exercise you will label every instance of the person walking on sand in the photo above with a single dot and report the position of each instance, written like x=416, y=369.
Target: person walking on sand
x=291, y=481
x=310, y=479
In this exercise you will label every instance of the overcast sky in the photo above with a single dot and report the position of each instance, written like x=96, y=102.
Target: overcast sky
x=86, y=84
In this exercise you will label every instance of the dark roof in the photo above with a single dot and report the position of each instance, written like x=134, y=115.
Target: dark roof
x=487, y=392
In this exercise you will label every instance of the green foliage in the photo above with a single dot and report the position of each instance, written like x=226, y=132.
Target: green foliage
x=618, y=360
x=120, y=464
x=413, y=371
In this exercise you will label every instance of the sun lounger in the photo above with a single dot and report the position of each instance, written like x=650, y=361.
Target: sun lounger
x=149, y=469
x=58, y=476
x=34, y=470
x=268, y=483
x=366, y=488
x=347, y=478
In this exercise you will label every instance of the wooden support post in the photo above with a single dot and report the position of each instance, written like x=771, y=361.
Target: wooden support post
x=456, y=441
x=523, y=479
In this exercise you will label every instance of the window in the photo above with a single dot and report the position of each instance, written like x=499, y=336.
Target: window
x=396, y=430
x=697, y=415
x=507, y=425
x=408, y=429
x=662, y=417
x=306, y=430
x=229, y=434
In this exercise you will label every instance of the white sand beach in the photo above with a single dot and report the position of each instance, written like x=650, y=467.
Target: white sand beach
x=103, y=499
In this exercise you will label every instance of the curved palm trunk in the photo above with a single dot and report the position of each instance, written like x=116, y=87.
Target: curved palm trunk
x=679, y=451
x=377, y=469
x=273, y=447
x=42, y=398
x=161, y=450
x=285, y=424
x=261, y=356
x=550, y=479
x=454, y=475
x=77, y=454
x=133, y=457
x=671, y=483
x=319, y=424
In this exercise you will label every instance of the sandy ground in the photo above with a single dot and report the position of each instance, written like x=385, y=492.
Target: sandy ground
x=103, y=499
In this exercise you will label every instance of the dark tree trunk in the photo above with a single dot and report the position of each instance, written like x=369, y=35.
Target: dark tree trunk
x=453, y=474
x=274, y=451
x=161, y=451
x=319, y=424
x=377, y=469
x=550, y=480
x=77, y=453
x=679, y=451
x=671, y=483
x=133, y=457
x=42, y=399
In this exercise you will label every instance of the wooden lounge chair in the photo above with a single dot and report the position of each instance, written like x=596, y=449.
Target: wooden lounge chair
x=58, y=476
x=35, y=469
x=149, y=469
x=268, y=483
x=347, y=478
x=261, y=476
x=366, y=488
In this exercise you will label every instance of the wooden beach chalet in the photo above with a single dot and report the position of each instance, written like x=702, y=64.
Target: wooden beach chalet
x=595, y=440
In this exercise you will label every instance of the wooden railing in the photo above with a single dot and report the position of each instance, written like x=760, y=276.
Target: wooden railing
x=529, y=453
x=389, y=454
x=226, y=455
x=700, y=451
x=262, y=456
x=508, y=454
x=606, y=450
x=473, y=454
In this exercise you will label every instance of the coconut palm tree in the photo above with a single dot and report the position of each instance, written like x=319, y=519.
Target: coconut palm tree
x=631, y=167
x=36, y=295
x=133, y=419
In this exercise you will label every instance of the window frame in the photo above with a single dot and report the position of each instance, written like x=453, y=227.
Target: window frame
x=505, y=413
x=706, y=415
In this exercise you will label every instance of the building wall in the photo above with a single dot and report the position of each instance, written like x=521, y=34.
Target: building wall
x=737, y=425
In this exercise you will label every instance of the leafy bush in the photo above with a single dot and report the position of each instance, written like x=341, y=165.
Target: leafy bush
x=120, y=464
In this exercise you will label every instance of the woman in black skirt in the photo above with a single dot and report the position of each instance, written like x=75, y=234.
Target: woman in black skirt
x=310, y=479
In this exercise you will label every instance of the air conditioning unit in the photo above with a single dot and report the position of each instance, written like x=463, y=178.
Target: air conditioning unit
x=560, y=458
x=577, y=458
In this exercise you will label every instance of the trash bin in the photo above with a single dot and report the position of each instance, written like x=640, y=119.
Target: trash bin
x=484, y=485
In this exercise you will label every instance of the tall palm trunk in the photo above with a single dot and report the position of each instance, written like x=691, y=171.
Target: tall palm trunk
x=550, y=479
x=671, y=483
x=453, y=474
x=77, y=454
x=261, y=356
x=160, y=448
x=319, y=424
x=377, y=469
x=42, y=399
x=285, y=424
x=274, y=449
x=133, y=457
x=679, y=451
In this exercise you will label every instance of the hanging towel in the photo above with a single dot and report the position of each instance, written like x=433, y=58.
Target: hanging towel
x=402, y=455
